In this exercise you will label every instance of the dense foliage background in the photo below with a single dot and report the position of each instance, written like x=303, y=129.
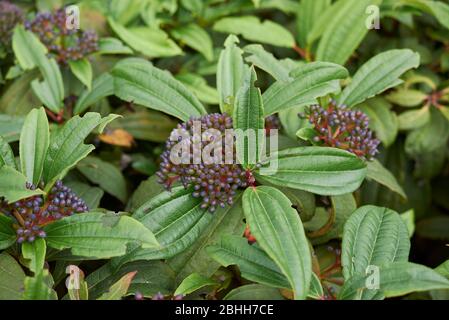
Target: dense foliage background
x=85, y=114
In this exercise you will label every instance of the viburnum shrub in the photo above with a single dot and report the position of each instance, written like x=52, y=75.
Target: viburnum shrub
x=223, y=150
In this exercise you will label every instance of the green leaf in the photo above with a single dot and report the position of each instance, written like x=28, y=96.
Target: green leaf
x=438, y=9
x=119, y=289
x=409, y=218
x=106, y=175
x=423, y=140
x=310, y=81
x=193, y=283
x=198, y=85
x=414, y=118
x=254, y=264
x=152, y=277
x=407, y=97
x=195, y=259
x=373, y=236
x=398, y=279
x=10, y=127
x=34, y=142
x=307, y=16
x=98, y=235
x=7, y=232
x=39, y=287
x=6, y=154
x=76, y=285
x=11, y=278
x=13, y=185
x=142, y=83
x=380, y=73
x=195, y=37
x=151, y=42
x=82, y=69
x=251, y=28
x=35, y=252
x=279, y=231
x=102, y=87
x=112, y=46
x=382, y=175
x=320, y=170
x=230, y=73
x=344, y=31
x=249, y=118
x=31, y=53
x=67, y=146
x=267, y=62
x=146, y=125
x=177, y=221
x=254, y=292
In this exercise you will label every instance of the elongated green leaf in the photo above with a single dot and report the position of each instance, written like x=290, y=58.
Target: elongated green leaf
x=423, y=140
x=230, y=71
x=228, y=221
x=380, y=73
x=320, y=170
x=82, y=69
x=308, y=14
x=13, y=185
x=373, y=236
x=267, y=62
x=140, y=82
x=414, y=119
x=151, y=42
x=98, y=235
x=253, y=29
x=279, y=231
x=345, y=30
x=146, y=125
x=106, y=175
x=379, y=173
x=6, y=154
x=35, y=252
x=152, y=277
x=382, y=120
x=438, y=9
x=39, y=287
x=67, y=146
x=119, y=289
x=195, y=37
x=112, y=46
x=249, y=118
x=34, y=142
x=254, y=264
x=407, y=97
x=193, y=283
x=10, y=127
x=11, y=278
x=31, y=53
x=177, y=221
x=7, y=232
x=254, y=292
x=398, y=279
x=199, y=86
x=310, y=82
x=102, y=87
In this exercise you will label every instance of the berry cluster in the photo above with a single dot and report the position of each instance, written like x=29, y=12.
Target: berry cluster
x=10, y=16
x=340, y=127
x=63, y=43
x=215, y=183
x=33, y=213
